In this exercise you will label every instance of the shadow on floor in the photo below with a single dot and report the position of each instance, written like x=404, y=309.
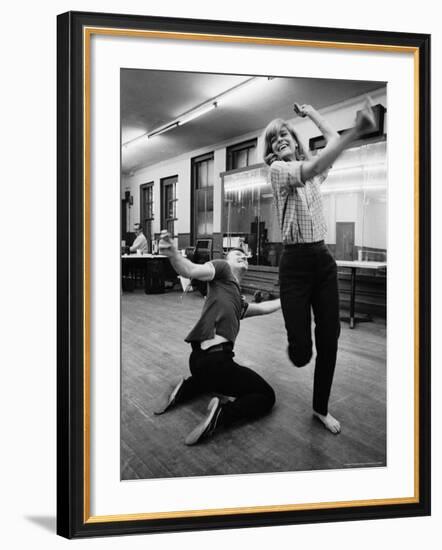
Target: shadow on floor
x=48, y=523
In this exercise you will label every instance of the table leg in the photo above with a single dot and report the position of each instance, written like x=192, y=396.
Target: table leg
x=147, y=284
x=352, y=297
x=154, y=276
x=352, y=319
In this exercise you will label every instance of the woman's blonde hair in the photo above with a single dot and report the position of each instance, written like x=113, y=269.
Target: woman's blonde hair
x=273, y=128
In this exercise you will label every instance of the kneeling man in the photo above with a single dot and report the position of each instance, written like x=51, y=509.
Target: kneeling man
x=212, y=367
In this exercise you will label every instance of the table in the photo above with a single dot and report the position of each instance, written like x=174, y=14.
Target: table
x=354, y=265
x=155, y=266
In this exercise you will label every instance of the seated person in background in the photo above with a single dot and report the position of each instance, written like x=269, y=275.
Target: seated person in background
x=140, y=242
x=212, y=339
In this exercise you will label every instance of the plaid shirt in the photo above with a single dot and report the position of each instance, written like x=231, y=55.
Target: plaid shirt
x=298, y=205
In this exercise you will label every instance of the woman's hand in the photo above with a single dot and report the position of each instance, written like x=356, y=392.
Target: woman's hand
x=271, y=158
x=365, y=120
x=303, y=110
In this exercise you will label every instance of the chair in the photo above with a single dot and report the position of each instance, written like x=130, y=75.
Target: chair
x=203, y=253
x=189, y=252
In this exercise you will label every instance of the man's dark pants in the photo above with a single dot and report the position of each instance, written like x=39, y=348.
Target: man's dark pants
x=308, y=282
x=215, y=371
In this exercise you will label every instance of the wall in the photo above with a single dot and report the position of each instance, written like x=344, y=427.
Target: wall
x=181, y=166
x=174, y=167
x=372, y=236
x=341, y=116
x=370, y=226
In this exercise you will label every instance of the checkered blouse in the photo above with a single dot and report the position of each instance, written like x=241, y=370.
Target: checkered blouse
x=298, y=205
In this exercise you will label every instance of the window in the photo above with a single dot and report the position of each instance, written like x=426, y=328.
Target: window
x=355, y=208
x=146, y=210
x=202, y=195
x=242, y=155
x=355, y=191
x=168, y=204
x=248, y=214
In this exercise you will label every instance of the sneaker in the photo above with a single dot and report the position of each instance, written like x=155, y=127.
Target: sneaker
x=169, y=399
x=208, y=425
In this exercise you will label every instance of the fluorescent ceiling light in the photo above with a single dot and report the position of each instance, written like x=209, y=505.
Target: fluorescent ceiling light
x=238, y=90
x=190, y=115
x=163, y=129
x=196, y=113
x=201, y=110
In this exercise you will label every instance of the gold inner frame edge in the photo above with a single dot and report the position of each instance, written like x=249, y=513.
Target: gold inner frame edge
x=87, y=33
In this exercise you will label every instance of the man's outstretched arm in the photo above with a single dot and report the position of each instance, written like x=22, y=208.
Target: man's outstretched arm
x=263, y=308
x=183, y=266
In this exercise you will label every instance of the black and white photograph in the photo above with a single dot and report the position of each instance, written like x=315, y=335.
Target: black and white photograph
x=219, y=316
x=254, y=268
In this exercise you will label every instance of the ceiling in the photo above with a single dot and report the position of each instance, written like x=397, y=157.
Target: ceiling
x=151, y=99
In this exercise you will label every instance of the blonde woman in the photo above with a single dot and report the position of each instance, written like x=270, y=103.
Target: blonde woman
x=307, y=271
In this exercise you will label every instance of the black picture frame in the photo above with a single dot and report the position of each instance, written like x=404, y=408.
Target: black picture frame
x=73, y=516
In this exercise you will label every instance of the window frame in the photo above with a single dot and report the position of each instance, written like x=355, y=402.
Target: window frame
x=247, y=145
x=166, y=221
x=195, y=162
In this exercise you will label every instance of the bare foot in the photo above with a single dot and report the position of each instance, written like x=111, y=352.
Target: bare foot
x=329, y=422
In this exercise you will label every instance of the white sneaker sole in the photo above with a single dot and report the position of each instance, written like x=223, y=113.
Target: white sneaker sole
x=167, y=401
x=196, y=433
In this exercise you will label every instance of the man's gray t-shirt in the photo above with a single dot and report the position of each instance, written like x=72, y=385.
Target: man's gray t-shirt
x=223, y=308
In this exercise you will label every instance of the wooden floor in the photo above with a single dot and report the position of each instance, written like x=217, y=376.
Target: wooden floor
x=154, y=355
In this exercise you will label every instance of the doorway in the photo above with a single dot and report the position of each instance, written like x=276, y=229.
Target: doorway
x=345, y=240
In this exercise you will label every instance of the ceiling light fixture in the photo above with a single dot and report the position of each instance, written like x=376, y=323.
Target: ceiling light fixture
x=195, y=113
x=180, y=121
x=239, y=88
x=163, y=129
x=198, y=111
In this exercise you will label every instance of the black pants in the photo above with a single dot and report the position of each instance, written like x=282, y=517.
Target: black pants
x=217, y=372
x=308, y=281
